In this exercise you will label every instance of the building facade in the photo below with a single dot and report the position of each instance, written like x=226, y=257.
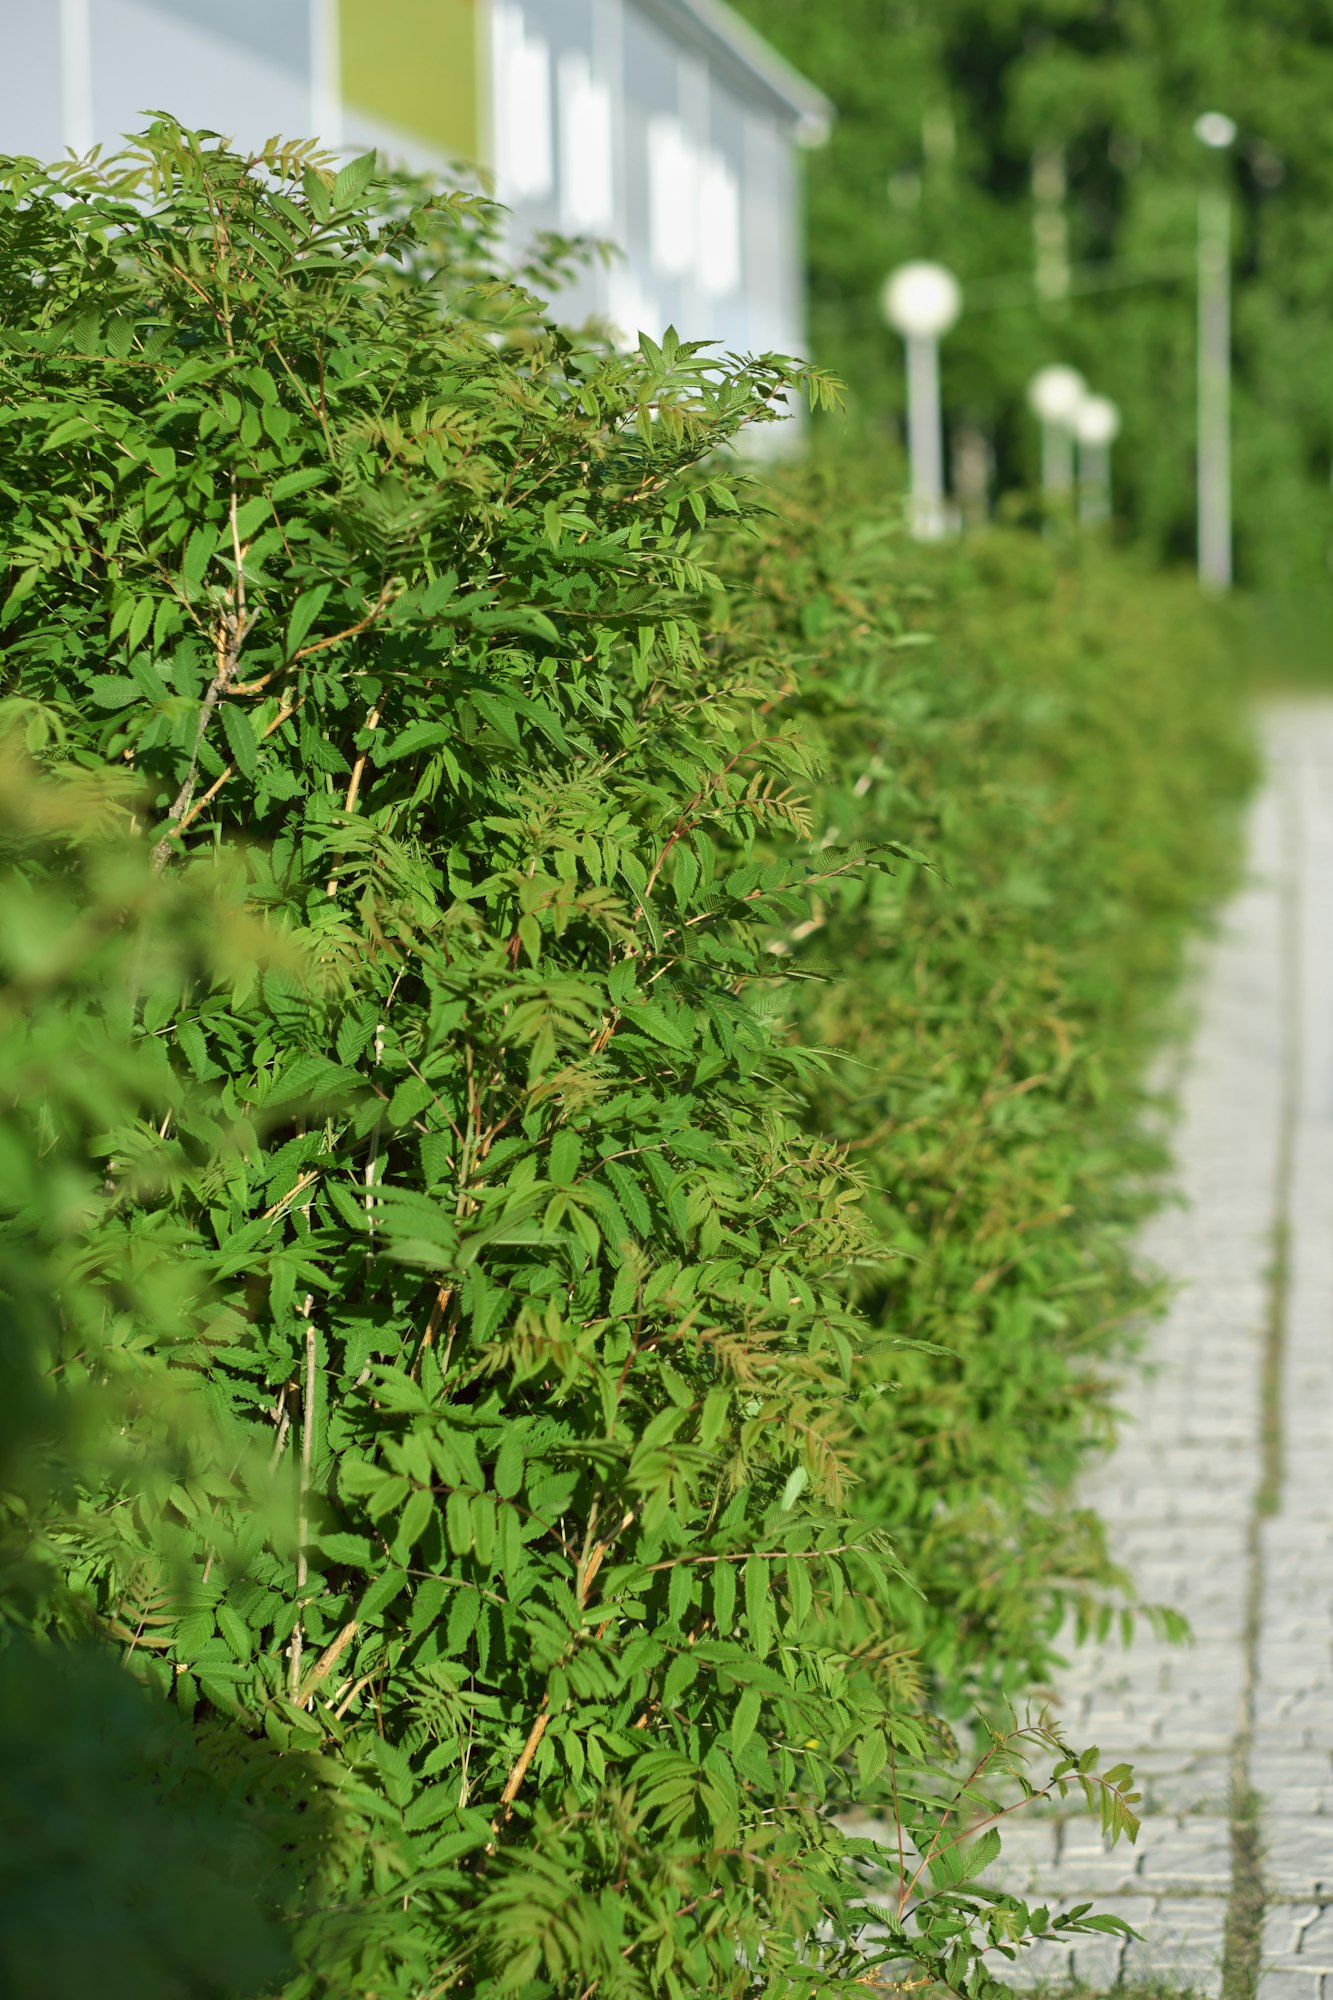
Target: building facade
x=665, y=126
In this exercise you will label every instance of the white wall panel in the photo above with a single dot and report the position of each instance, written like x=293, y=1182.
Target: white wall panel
x=30, y=106
x=147, y=58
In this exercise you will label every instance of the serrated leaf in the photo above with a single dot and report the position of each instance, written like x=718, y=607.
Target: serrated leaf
x=241, y=739
x=304, y=613
x=563, y=1160
x=353, y=180
x=198, y=553
x=113, y=690
x=745, y=1720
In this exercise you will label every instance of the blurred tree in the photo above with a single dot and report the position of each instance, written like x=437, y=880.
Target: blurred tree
x=1045, y=150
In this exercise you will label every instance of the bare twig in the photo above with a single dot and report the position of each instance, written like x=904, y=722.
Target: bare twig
x=230, y=636
x=351, y=1695
x=284, y=1421
x=586, y=1572
x=321, y=645
x=228, y=771
x=354, y=787
x=302, y=1516
x=327, y=1660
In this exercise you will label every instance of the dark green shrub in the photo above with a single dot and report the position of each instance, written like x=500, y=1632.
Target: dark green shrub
x=482, y=1309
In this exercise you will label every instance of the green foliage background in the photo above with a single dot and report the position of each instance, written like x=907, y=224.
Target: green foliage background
x=942, y=110
x=535, y=1102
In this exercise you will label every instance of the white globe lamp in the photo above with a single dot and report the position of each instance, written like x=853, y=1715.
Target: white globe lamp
x=1055, y=393
x=1097, y=423
x=1216, y=130
x=922, y=301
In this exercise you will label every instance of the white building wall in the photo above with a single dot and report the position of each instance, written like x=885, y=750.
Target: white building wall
x=30, y=79
x=74, y=73
x=603, y=124
x=704, y=191
x=167, y=55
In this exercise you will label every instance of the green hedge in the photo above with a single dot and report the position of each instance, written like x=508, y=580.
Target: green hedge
x=471, y=1367
x=1061, y=736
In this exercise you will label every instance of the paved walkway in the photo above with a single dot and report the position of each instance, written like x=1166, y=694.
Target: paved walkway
x=1220, y=1493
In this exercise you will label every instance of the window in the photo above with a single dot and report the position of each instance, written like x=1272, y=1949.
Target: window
x=694, y=210
x=524, y=165
x=672, y=197
x=719, y=227
x=587, y=191
x=631, y=310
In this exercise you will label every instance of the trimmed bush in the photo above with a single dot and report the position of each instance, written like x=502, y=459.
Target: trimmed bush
x=461, y=1405
x=1059, y=735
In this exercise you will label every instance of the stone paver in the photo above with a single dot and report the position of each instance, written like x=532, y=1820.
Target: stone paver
x=1291, y=1752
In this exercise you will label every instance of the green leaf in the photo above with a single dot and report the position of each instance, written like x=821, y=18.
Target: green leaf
x=317, y=195
x=650, y=1018
x=758, y=1612
x=241, y=739
x=199, y=550
x=388, y=1586
x=499, y=713
x=353, y=180
x=679, y=1676
x=304, y=613
x=113, y=690
x=352, y=1550
x=418, y=1511
x=745, y=1720
x=251, y=515
x=509, y=1465
x=563, y=1161
x=235, y=1631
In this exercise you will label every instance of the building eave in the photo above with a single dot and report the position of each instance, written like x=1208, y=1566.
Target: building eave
x=729, y=43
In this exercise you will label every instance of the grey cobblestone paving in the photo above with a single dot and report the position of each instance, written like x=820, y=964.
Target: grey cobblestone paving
x=1291, y=1759
x=1189, y=1492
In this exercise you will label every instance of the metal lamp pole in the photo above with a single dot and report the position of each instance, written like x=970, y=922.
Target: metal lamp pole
x=1054, y=397
x=1217, y=132
x=921, y=302
x=1096, y=427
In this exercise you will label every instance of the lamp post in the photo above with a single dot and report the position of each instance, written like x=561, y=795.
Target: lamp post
x=921, y=302
x=1054, y=396
x=1096, y=426
x=1217, y=132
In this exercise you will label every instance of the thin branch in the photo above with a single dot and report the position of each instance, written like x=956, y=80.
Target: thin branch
x=322, y=645
x=327, y=1660
x=233, y=626
x=175, y=832
x=302, y=1515
x=514, y=1781
x=354, y=787
x=585, y=1575
x=269, y=1213
x=284, y=1421
x=351, y=1695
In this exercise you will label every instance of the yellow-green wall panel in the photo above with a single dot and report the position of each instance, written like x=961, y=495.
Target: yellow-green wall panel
x=415, y=64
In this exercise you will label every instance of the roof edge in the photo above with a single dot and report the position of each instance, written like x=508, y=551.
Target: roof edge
x=719, y=32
